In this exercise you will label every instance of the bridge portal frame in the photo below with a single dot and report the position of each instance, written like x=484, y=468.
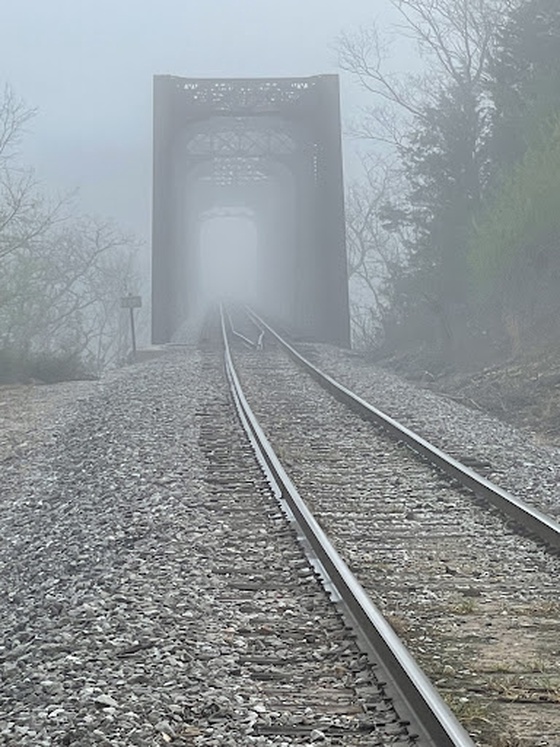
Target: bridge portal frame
x=316, y=305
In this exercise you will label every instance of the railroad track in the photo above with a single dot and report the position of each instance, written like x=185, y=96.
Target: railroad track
x=403, y=691
x=314, y=683
x=528, y=518
x=475, y=602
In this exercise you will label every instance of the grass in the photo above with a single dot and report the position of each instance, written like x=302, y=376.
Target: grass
x=464, y=607
x=470, y=712
x=519, y=687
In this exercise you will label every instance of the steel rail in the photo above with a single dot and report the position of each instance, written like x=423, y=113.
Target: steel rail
x=530, y=519
x=437, y=725
x=239, y=336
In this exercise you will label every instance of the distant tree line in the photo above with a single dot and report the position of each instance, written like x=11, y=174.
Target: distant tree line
x=454, y=233
x=61, y=274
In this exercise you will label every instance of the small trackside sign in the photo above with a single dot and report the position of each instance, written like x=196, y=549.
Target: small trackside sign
x=131, y=302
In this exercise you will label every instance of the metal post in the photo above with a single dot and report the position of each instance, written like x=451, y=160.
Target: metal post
x=131, y=302
x=133, y=333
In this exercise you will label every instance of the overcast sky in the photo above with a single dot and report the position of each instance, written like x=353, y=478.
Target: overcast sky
x=87, y=65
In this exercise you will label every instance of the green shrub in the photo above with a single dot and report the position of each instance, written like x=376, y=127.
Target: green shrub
x=523, y=221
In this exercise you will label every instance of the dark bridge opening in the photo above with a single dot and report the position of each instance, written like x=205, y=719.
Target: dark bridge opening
x=264, y=153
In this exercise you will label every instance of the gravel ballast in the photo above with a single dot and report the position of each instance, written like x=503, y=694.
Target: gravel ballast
x=111, y=630
x=130, y=613
x=476, y=603
x=94, y=529
x=512, y=458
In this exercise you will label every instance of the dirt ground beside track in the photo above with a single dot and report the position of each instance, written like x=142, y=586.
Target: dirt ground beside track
x=524, y=391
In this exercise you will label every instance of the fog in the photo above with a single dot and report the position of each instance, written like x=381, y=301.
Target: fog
x=227, y=260
x=88, y=69
x=88, y=65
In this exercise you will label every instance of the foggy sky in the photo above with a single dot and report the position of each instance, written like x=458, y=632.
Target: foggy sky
x=87, y=65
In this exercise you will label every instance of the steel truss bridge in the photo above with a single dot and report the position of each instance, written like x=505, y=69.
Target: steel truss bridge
x=265, y=148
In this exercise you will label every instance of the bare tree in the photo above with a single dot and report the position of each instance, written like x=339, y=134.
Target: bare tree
x=25, y=213
x=454, y=38
x=63, y=294
x=396, y=97
x=61, y=276
x=375, y=255
x=14, y=115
